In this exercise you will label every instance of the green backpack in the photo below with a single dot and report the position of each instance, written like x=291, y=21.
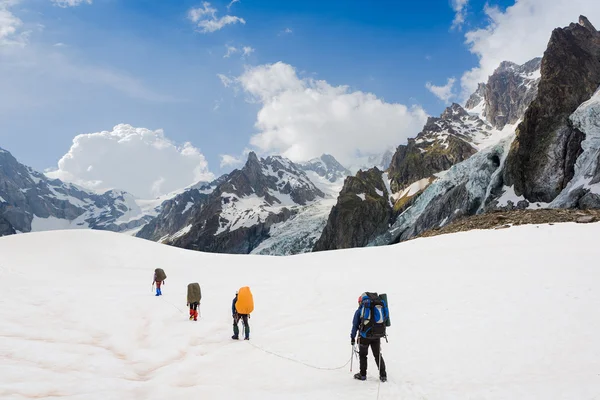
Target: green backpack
x=160, y=275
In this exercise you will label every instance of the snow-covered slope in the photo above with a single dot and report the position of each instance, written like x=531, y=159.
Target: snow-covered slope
x=523, y=325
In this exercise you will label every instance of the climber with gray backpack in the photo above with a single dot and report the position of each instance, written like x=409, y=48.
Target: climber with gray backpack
x=370, y=321
x=159, y=279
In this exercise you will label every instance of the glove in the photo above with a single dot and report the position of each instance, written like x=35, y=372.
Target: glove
x=352, y=341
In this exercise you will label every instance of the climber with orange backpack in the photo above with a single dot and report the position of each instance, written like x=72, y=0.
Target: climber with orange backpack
x=241, y=307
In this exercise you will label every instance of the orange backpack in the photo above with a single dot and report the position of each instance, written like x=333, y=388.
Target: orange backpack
x=245, y=302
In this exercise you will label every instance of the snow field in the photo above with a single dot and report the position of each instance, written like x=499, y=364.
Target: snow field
x=480, y=315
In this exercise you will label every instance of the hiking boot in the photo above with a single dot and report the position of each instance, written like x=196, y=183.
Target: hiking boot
x=383, y=378
x=360, y=377
x=234, y=337
x=246, y=338
x=191, y=317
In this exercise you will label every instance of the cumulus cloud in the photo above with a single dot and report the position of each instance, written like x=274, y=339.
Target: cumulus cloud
x=520, y=33
x=138, y=160
x=247, y=50
x=460, y=9
x=206, y=19
x=230, y=161
x=70, y=3
x=443, y=93
x=302, y=118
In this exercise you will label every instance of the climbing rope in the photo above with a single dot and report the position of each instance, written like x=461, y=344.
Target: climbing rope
x=168, y=302
x=298, y=361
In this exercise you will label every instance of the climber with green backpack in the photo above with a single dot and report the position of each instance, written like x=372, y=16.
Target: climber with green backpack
x=370, y=321
x=159, y=279
x=194, y=295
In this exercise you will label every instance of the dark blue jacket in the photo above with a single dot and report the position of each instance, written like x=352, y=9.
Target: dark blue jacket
x=233, y=310
x=355, y=324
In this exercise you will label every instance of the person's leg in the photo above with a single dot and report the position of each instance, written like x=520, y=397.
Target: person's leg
x=246, y=327
x=376, y=348
x=191, y=311
x=158, y=288
x=236, y=329
x=195, y=311
x=363, y=351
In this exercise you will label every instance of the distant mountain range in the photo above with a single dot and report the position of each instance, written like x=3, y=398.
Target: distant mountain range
x=527, y=138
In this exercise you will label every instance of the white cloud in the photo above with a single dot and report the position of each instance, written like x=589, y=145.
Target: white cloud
x=520, y=33
x=302, y=118
x=247, y=50
x=138, y=160
x=443, y=93
x=286, y=31
x=10, y=25
x=70, y=3
x=206, y=18
x=225, y=80
x=460, y=9
x=230, y=161
x=231, y=4
x=230, y=50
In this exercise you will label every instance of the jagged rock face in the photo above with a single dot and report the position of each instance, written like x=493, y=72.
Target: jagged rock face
x=541, y=161
x=444, y=141
x=176, y=214
x=363, y=211
x=327, y=167
x=6, y=228
x=477, y=99
x=510, y=90
x=237, y=216
x=26, y=194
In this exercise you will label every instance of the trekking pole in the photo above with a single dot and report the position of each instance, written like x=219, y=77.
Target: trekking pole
x=352, y=358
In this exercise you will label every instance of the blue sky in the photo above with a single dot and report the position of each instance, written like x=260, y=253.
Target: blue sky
x=90, y=67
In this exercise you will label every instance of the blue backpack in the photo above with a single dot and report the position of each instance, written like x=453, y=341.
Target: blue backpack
x=374, y=316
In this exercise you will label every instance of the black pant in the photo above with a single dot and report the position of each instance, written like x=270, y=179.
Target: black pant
x=193, y=306
x=363, y=351
x=236, y=329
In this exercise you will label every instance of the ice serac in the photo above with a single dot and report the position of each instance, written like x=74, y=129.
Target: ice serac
x=583, y=191
x=237, y=216
x=362, y=212
x=465, y=189
x=542, y=158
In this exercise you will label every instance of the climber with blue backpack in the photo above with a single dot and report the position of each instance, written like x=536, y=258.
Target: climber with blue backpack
x=370, y=321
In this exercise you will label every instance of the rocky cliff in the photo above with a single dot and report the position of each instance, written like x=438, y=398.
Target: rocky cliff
x=542, y=158
x=362, y=212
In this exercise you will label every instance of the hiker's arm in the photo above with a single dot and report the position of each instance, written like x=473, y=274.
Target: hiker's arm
x=355, y=324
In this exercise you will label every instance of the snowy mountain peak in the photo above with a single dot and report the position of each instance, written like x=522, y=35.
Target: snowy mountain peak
x=29, y=201
x=507, y=94
x=326, y=167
